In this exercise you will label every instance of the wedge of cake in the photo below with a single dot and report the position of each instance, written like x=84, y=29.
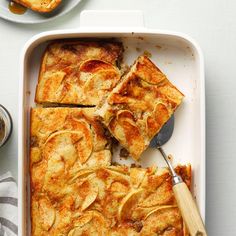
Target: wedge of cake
x=110, y=200
x=78, y=73
x=40, y=5
x=139, y=106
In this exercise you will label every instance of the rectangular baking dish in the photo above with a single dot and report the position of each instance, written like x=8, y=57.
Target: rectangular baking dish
x=176, y=54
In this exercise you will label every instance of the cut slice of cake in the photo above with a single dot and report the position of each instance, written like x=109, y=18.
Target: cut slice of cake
x=64, y=140
x=78, y=73
x=40, y=5
x=139, y=106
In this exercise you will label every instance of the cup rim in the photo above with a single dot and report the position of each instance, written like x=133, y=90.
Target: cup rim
x=9, y=125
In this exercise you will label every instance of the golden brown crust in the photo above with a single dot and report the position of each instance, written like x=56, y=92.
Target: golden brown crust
x=139, y=106
x=112, y=201
x=40, y=5
x=67, y=139
x=77, y=72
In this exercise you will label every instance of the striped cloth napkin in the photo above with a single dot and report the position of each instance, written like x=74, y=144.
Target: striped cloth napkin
x=8, y=205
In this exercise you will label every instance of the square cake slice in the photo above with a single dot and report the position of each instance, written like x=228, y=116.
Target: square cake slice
x=40, y=5
x=139, y=106
x=78, y=73
x=63, y=141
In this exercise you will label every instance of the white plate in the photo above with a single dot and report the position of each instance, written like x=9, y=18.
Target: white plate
x=177, y=55
x=31, y=17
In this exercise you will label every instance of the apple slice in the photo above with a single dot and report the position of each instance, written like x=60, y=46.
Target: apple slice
x=128, y=203
x=163, y=219
x=47, y=214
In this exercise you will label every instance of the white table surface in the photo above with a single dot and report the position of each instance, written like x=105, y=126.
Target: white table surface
x=213, y=24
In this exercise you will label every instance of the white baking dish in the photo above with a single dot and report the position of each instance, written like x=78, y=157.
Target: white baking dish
x=177, y=55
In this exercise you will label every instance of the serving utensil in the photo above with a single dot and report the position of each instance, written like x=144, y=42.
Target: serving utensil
x=182, y=194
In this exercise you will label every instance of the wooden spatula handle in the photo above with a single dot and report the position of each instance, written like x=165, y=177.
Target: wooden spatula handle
x=189, y=210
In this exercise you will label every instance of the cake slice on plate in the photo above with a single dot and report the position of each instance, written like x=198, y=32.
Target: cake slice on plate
x=40, y=5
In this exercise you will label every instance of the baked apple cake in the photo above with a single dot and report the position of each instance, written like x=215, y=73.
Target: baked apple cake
x=75, y=189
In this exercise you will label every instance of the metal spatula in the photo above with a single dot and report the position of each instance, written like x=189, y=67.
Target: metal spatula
x=182, y=194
